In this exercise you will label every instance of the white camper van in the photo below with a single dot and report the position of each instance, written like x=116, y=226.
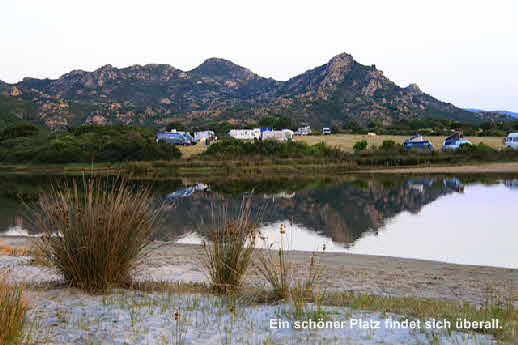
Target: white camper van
x=245, y=134
x=282, y=135
x=205, y=135
x=511, y=140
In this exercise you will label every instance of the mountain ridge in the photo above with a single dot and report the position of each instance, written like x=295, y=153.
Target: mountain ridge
x=504, y=112
x=219, y=90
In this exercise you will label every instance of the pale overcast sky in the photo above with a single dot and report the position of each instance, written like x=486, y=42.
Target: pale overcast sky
x=460, y=51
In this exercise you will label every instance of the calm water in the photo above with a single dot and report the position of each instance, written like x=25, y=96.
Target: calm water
x=466, y=220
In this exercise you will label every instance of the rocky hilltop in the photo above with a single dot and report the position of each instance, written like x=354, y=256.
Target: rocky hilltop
x=219, y=90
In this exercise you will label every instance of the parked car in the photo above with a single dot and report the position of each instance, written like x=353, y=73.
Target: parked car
x=303, y=131
x=326, y=131
x=454, y=141
x=511, y=140
x=173, y=138
x=418, y=143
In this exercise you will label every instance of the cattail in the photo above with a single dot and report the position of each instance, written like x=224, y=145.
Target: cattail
x=283, y=230
x=233, y=309
x=177, y=315
x=324, y=247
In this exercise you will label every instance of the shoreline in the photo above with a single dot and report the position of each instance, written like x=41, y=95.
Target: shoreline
x=244, y=168
x=377, y=275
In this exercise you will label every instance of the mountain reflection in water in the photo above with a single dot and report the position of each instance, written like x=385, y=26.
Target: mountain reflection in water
x=341, y=213
x=383, y=215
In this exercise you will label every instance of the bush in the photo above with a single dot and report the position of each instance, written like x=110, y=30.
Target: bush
x=388, y=145
x=228, y=255
x=271, y=148
x=360, y=145
x=87, y=144
x=13, y=308
x=94, y=231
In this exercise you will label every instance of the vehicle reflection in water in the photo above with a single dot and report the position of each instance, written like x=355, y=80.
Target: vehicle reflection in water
x=511, y=184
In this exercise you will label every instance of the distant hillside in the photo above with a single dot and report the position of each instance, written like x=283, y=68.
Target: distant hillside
x=503, y=112
x=221, y=91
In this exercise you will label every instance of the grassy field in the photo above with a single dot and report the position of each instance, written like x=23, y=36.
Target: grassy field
x=347, y=141
x=188, y=151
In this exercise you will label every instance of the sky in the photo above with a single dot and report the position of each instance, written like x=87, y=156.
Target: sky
x=460, y=51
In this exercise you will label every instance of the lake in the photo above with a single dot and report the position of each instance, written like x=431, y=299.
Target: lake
x=457, y=219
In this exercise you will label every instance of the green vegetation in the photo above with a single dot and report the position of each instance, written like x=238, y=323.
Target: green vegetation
x=396, y=155
x=389, y=153
x=281, y=122
x=95, y=230
x=232, y=148
x=432, y=126
x=360, y=145
x=89, y=143
x=494, y=308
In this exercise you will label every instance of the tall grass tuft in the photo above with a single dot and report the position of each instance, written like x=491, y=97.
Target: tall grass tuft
x=95, y=230
x=277, y=268
x=13, y=308
x=229, y=253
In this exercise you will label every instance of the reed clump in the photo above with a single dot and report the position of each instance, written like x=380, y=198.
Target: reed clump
x=276, y=266
x=229, y=253
x=13, y=308
x=95, y=230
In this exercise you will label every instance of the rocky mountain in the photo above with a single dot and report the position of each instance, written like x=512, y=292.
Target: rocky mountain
x=219, y=90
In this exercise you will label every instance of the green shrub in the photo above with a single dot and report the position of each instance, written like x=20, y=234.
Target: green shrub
x=94, y=231
x=87, y=144
x=360, y=145
x=271, y=148
x=388, y=145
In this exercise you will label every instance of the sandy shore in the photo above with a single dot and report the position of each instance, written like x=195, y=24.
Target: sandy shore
x=363, y=273
x=511, y=167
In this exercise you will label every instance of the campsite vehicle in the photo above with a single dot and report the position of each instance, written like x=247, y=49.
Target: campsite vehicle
x=282, y=135
x=326, y=131
x=454, y=141
x=189, y=137
x=417, y=142
x=173, y=138
x=511, y=140
x=245, y=134
x=205, y=135
x=303, y=131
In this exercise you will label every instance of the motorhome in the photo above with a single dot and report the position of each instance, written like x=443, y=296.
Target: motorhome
x=417, y=142
x=205, y=135
x=282, y=135
x=245, y=134
x=511, y=140
x=454, y=141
